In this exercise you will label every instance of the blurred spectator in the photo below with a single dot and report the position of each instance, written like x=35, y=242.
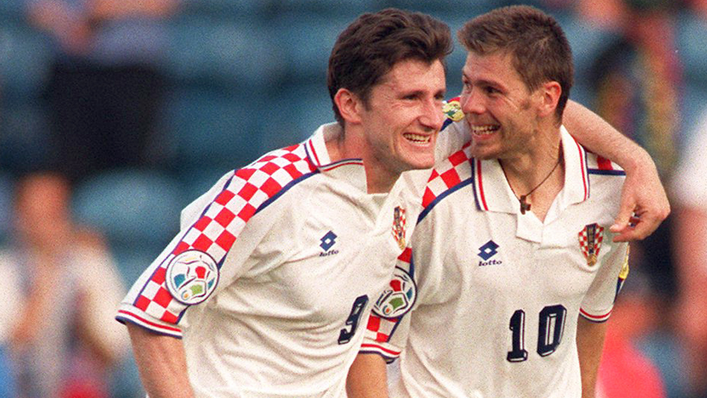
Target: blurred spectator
x=638, y=79
x=106, y=87
x=690, y=188
x=698, y=6
x=60, y=291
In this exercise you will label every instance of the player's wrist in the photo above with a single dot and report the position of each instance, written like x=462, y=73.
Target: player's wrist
x=636, y=160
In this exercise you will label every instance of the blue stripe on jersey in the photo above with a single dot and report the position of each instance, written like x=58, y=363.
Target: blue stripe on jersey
x=442, y=196
x=447, y=122
x=386, y=358
x=606, y=172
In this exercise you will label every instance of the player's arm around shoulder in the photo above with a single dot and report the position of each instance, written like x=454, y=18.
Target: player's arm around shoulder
x=643, y=194
x=162, y=363
x=368, y=377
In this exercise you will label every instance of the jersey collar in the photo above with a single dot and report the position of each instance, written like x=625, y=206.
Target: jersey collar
x=494, y=194
x=351, y=170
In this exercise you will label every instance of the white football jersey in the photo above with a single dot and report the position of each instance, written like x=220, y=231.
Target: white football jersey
x=486, y=302
x=274, y=272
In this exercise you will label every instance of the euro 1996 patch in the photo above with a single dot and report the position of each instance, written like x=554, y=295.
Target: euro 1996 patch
x=191, y=277
x=453, y=110
x=398, y=298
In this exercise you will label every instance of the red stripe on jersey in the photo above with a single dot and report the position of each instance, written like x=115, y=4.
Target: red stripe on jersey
x=314, y=153
x=153, y=324
x=583, y=163
x=481, y=185
x=604, y=163
x=594, y=317
x=377, y=347
x=343, y=163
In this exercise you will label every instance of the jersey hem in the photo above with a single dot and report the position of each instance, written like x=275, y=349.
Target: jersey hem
x=388, y=360
x=125, y=317
x=595, y=318
x=388, y=355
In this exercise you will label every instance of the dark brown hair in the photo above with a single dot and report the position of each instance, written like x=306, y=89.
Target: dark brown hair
x=536, y=42
x=372, y=44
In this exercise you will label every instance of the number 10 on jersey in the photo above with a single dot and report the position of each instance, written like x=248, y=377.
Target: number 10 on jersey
x=551, y=325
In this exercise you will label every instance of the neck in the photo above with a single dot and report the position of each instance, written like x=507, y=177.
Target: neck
x=528, y=169
x=537, y=176
x=350, y=145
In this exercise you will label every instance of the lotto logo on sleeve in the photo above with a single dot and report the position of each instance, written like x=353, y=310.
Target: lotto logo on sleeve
x=191, y=277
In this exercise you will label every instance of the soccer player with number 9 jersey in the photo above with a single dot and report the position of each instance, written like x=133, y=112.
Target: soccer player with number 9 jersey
x=269, y=282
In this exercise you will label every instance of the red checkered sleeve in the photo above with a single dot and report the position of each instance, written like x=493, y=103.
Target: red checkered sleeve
x=387, y=336
x=226, y=212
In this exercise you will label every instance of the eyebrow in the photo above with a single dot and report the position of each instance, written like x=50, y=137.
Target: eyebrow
x=483, y=82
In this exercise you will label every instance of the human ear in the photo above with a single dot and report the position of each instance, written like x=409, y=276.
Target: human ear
x=549, y=95
x=349, y=105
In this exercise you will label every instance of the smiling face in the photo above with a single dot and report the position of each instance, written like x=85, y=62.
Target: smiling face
x=402, y=116
x=500, y=110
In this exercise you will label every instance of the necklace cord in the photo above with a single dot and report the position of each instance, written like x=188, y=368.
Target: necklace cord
x=524, y=205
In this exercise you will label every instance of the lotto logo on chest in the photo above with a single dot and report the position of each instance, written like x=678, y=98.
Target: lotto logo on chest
x=487, y=253
x=399, y=225
x=327, y=242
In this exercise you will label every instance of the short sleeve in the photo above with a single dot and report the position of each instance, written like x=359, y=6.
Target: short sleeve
x=388, y=324
x=191, y=269
x=599, y=300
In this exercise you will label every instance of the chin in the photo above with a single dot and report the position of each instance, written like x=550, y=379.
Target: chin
x=482, y=153
x=419, y=164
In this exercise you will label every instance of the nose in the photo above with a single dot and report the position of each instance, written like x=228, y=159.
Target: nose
x=432, y=116
x=471, y=102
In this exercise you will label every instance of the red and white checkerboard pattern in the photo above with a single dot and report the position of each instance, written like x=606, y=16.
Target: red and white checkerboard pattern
x=599, y=237
x=224, y=219
x=447, y=174
x=379, y=329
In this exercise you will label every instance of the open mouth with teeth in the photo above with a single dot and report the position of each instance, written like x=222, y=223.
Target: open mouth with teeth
x=484, y=130
x=417, y=138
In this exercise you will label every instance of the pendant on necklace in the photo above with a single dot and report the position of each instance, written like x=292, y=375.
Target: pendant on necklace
x=524, y=206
